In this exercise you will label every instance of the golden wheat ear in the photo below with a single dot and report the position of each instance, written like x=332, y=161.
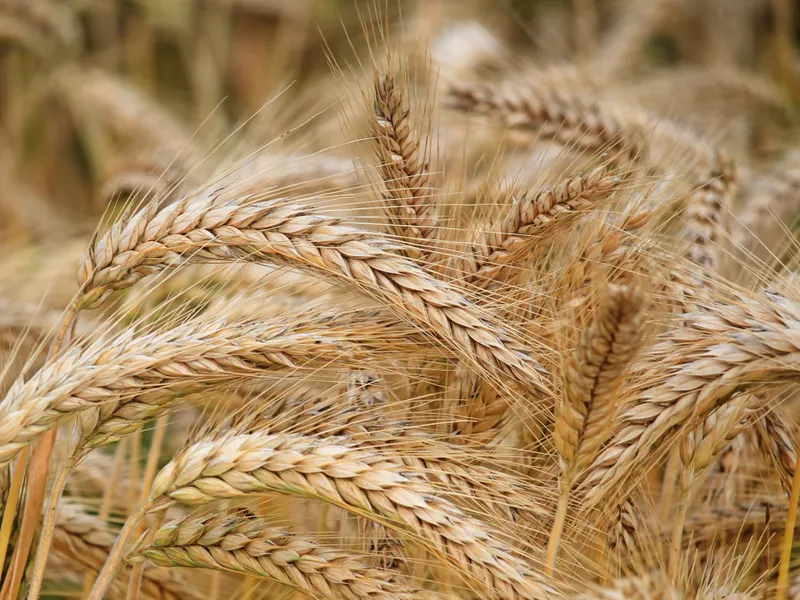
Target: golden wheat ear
x=409, y=199
x=592, y=377
x=238, y=542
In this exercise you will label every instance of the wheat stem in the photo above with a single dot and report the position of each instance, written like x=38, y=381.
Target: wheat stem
x=788, y=536
x=48, y=527
x=115, y=556
x=10, y=507
x=558, y=528
x=677, y=535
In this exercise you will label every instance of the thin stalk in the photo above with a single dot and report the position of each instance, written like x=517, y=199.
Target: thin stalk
x=48, y=527
x=788, y=535
x=11, y=504
x=115, y=556
x=558, y=528
x=677, y=535
x=37, y=479
x=135, y=462
x=149, y=474
x=669, y=483
x=135, y=583
x=108, y=497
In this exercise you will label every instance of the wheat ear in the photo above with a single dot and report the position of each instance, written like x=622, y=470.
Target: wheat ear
x=117, y=385
x=776, y=436
x=773, y=204
x=723, y=349
x=408, y=194
x=556, y=116
x=240, y=543
x=592, y=377
x=84, y=541
x=274, y=232
x=698, y=449
x=359, y=480
x=495, y=250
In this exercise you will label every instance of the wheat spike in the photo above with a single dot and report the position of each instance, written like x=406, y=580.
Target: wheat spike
x=360, y=480
x=118, y=386
x=496, y=249
x=241, y=543
x=280, y=233
x=408, y=194
x=777, y=436
x=723, y=349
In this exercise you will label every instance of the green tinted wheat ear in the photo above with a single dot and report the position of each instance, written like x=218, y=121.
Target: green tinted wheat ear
x=359, y=480
x=506, y=241
x=241, y=544
x=83, y=541
x=720, y=350
x=592, y=377
x=274, y=232
x=408, y=196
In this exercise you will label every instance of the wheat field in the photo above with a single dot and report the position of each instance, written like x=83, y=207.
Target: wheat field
x=399, y=299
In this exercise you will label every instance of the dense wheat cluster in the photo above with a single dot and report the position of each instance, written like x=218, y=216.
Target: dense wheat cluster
x=399, y=300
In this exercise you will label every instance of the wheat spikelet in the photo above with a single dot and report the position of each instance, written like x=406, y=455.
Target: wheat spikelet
x=275, y=232
x=496, y=249
x=721, y=350
x=360, y=480
x=408, y=195
x=136, y=378
x=242, y=544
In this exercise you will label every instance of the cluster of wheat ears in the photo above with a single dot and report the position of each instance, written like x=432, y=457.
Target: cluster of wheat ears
x=490, y=329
